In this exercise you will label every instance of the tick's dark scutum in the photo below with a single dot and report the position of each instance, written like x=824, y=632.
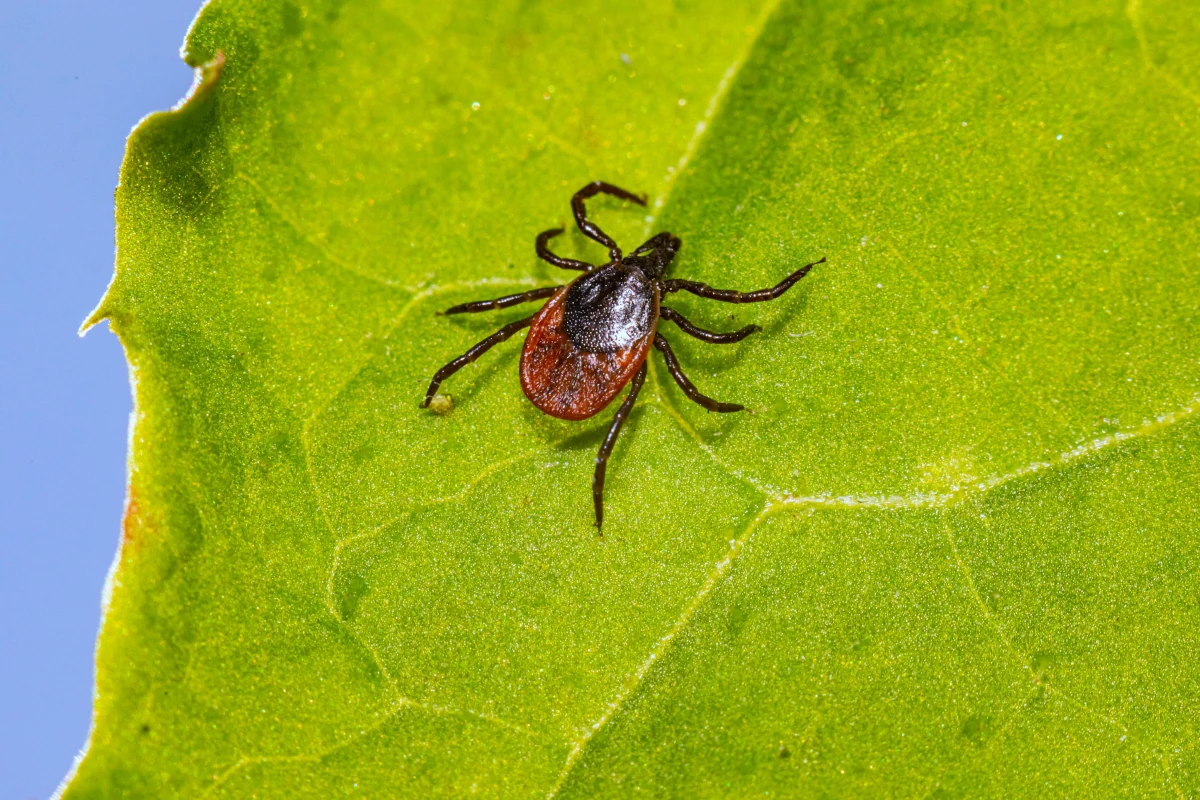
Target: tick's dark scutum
x=610, y=309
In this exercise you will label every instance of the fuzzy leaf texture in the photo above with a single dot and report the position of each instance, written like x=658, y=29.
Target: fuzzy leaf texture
x=950, y=549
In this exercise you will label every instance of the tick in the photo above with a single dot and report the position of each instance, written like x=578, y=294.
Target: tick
x=593, y=335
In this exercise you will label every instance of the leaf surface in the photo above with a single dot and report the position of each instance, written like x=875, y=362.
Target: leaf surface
x=947, y=551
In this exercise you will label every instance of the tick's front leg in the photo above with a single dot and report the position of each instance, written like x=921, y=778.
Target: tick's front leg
x=545, y=254
x=589, y=228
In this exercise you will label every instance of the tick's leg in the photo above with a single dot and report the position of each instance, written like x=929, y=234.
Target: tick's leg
x=688, y=389
x=501, y=302
x=635, y=386
x=475, y=352
x=703, y=335
x=587, y=226
x=732, y=296
x=545, y=255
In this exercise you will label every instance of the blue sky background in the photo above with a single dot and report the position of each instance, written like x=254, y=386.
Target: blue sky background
x=74, y=78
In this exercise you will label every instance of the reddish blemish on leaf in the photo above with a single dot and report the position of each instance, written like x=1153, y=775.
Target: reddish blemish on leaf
x=131, y=523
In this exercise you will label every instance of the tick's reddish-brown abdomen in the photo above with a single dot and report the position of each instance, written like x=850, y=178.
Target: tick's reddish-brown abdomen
x=567, y=382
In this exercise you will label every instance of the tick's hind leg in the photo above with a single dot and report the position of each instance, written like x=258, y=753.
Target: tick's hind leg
x=689, y=389
x=635, y=386
x=734, y=296
x=706, y=336
x=543, y=252
x=475, y=352
x=587, y=226
x=500, y=302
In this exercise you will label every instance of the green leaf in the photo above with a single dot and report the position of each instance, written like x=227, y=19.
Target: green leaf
x=949, y=550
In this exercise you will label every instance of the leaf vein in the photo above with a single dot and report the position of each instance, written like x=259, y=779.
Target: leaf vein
x=984, y=611
x=659, y=649
x=667, y=405
x=310, y=240
x=976, y=488
x=1133, y=11
x=317, y=756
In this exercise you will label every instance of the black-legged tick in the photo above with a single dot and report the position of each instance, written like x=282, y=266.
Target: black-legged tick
x=593, y=335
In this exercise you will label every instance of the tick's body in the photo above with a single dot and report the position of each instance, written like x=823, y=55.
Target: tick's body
x=588, y=341
x=593, y=335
